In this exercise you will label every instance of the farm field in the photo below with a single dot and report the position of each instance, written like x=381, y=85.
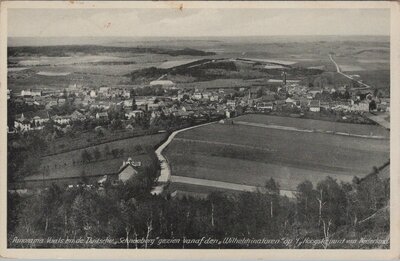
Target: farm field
x=173, y=63
x=69, y=164
x=28, y=79
x=372, y=66
x=251, y=155
x=91, y=138
x=109, y=66
x=222, y=83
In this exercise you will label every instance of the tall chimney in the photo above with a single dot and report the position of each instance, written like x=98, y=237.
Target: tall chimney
x=284, y=78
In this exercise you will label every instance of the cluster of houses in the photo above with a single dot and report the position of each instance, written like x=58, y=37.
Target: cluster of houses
x=317, y=105
x=95, y=104
x=183, y=103
x=28, y=121
x=310, y=99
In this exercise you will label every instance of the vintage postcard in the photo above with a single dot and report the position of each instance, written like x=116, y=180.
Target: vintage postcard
x=200, y=129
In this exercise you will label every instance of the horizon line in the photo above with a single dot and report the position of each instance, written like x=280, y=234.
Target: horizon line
x=216, y=36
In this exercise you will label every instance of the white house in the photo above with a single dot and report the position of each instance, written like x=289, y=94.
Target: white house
x=22, y=126
x=214, y=97
x=93, y=94
x=61, y=119
x=228, y=113
x=105, y=91
x=102, y=115
x=128, y=103
x=31, y=93
x=134, y=114
x=197, y=96
x=231, y=103
x=265, y=106
x=360, y=106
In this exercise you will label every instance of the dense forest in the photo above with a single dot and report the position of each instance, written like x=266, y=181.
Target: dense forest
x=328, y=215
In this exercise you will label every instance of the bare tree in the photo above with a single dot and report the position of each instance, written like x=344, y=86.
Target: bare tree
x=326, y=227
x=321, y=204
x=149, y=225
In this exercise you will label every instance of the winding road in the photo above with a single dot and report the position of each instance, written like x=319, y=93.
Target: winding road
x=381, y=119
x=348, y=76
x=165, y=173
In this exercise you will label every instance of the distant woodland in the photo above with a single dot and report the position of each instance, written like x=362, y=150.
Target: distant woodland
x=67, y=50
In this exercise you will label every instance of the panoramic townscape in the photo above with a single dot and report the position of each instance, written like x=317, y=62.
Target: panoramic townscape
x=217, y=142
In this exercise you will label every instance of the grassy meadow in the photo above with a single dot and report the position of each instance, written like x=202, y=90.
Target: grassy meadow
x=251, y=155
x=69, y=164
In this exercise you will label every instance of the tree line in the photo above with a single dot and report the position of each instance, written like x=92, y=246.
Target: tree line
x=325, y=211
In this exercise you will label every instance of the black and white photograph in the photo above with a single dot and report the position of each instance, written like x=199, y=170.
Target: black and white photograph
x=171, y=126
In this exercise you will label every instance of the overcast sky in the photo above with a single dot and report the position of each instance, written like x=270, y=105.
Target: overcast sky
x=196, y=22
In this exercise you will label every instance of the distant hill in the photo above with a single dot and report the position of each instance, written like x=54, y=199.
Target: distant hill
x=67, y=50
x=369, y=51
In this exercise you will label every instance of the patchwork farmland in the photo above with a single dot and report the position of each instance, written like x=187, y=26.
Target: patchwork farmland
x=110, y=157
x=250, y=155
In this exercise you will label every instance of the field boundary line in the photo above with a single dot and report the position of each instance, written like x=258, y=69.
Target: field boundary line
x=278, y=127
x=99, y=143
x=224, y=144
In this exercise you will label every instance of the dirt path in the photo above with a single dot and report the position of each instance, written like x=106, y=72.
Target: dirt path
x=338, y=70
x=380, y=119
